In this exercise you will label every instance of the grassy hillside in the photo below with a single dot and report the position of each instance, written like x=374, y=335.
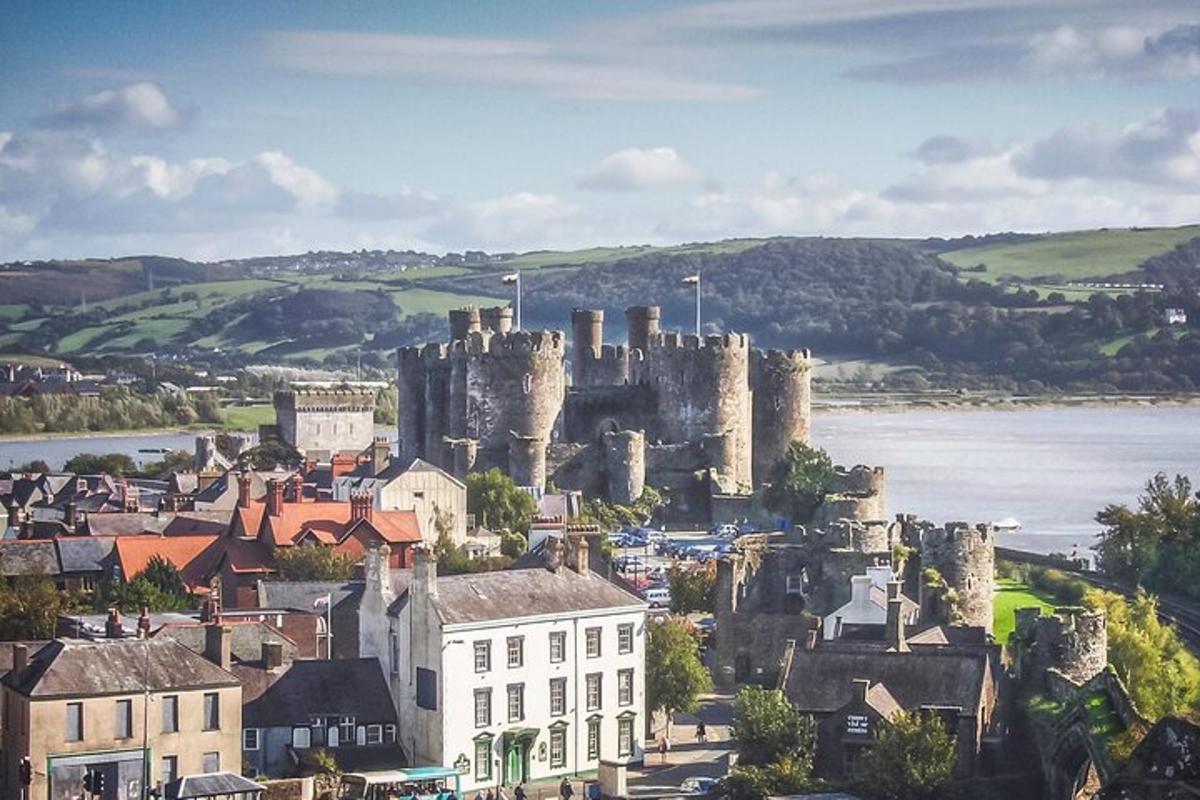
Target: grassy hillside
x=1074, y=256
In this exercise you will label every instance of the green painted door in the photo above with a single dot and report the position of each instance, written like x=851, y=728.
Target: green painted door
x=512, y=762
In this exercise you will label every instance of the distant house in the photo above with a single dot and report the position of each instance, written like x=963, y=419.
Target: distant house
x=1175, y=316
x=420, y=487
x=866, y=613
x=293, y=708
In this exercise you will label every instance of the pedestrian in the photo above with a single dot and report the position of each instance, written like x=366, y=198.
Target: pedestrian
x=565, y=791
x=663, y=747
x=501, y=794
x=701, y=732
x=519, y=792
x=490, y=794
x=479, y=795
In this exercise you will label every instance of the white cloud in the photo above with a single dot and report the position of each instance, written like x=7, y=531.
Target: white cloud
x=639, y=169
x=524, y=220
x=137, y=108
x=571, y=72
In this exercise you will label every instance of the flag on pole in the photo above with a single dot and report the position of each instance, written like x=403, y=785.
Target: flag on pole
x=691, y=280
x=510, y=278
x=323, y=600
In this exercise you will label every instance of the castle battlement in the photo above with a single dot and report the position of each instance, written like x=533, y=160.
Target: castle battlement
x=552, y=342
x=674, y=340
x=409, y=357
x=781, y=358
x=434, y=351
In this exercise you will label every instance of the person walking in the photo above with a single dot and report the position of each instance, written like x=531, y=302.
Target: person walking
x=519, y=792
x=490, y=795
x=479, y=795
x=701, y=732
x=663, y=747
x=501, y=794
x=565, y=791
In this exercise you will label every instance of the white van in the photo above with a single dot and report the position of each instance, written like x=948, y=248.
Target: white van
x=657, y=598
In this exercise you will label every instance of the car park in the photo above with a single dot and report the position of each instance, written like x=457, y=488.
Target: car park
x=657, y=597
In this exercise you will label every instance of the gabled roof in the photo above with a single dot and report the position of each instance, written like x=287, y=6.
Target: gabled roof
x=515, y=593
x=353, y=687
x=819, y=680
x=83, y=553
x=880, y=699
x=246, y=637
x=20, y=557
x=73, y=668
x=193, y=556
x=329, y=522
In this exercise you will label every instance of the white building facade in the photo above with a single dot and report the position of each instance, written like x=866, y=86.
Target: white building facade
x=519, y=675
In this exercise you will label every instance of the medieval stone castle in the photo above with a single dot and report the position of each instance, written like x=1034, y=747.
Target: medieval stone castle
x=700, y=417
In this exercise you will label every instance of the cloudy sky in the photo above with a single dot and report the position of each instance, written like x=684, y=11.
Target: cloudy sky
x=211, y=130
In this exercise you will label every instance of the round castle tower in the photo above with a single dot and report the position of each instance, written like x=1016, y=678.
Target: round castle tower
x=702, y=389
x=781, y=380
x=966, y=557
x=625, y=464
x=513, y=382
x=644, y=324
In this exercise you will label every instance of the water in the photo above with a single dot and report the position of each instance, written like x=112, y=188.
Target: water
x=1051, y=469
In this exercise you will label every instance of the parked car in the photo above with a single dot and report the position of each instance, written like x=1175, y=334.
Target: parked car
x=628, y=563
x=698, y=785
x=657, y=597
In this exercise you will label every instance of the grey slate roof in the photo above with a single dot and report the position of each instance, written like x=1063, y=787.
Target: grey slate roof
x=302, y=595
x=346, y=686
x=246, y=638
x=28, y=557
x=71, y=668
x=507, y=594
x=820, y=680
x=83, y=553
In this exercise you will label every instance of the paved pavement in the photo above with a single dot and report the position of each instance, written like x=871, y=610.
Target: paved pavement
x=687, y=757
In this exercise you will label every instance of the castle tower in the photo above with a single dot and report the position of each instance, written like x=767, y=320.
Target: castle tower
x=587, y=329
x=437, y=400
x=527, y=460
x=497, y=318
x=644, y=324
x=781, y=380
x=319, y=422
x=463, y=322
x=966, y=557
x=514, y=382
x=702, y=389
x=625, y=463
x=410, y=412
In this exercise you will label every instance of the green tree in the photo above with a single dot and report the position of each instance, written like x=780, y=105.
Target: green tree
x=787, y=776
x=911, y=758
x=29, y=608
x=164, y=576
x=1157, y=544
x=497, y=502
x=513, y=544
x=798, y=482
x=675, y=678
x=693, y=589
x=766, y=728
x=115, y=464
x=37, y=465
x=1161, y=674
x=268, y=455
x=312, y=563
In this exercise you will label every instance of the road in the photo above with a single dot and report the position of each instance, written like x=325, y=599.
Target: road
x=687, y=757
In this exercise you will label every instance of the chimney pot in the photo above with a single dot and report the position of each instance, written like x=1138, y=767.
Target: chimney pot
x=297, y=488
x=243, y=483
x=143, y=623
x=424, y=571
x=272, y=654
x=217, y=644
x=113, y=627
x=20, y=657
x=274, y=497
x=579, y=553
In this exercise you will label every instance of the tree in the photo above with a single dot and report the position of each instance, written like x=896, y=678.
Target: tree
x=37, y=465
x=115, y=464
x=164, y=576
x=787, y=776
x=513, y=544
x=766, y=728
x=497, y=502
x=693, y=589
x=30, y=607
x=675, y=678
x=798, y=482
x=308, y=562
x=1162, y=676
x=268, y=455
x=911, y=758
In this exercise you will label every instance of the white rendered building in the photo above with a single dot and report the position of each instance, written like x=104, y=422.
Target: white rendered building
x=868, y=604
x=518, y=675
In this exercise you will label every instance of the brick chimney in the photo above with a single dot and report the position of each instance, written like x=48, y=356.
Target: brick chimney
x=243, y=484
x=70, y=516
x=894, y=635
x=14, y=516
x=297, y=487
x=380, y=454
x=143, y=623
x=362, y=506
x=113, y=628
x=342, y=464
x=20, y=658
x=132, y=503
x=272, y=655
x=424, y=571
x=579, y=553
x=217, y=644
x=274, y=497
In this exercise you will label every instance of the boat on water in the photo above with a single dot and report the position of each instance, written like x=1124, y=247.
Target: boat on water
x=1007, y=525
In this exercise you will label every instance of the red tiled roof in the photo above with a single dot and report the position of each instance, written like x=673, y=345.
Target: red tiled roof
x=247, y=557
x=329, y=523
x=193, y=556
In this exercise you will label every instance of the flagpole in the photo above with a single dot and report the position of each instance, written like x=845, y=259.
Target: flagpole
x=518, y=300
x=697, y=305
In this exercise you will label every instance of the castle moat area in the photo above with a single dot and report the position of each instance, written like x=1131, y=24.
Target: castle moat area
x=1049, y=468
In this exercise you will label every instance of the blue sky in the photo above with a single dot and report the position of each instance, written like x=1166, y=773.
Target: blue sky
x=212, y=130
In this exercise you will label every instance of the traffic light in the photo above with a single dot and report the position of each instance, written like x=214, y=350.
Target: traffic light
x=26, y=771
x=93, y=781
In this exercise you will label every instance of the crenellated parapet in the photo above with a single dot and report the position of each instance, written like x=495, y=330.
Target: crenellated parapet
x=965, y=555
x=782, y=385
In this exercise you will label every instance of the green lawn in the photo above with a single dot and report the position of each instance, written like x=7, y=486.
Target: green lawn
x=551, y=258
x=1113, y=346
x=1011, y=595
x=1076, y=255
x=247, y=418
x=11, y=311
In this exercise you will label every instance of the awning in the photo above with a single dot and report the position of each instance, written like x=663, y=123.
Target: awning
x=211, y=784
